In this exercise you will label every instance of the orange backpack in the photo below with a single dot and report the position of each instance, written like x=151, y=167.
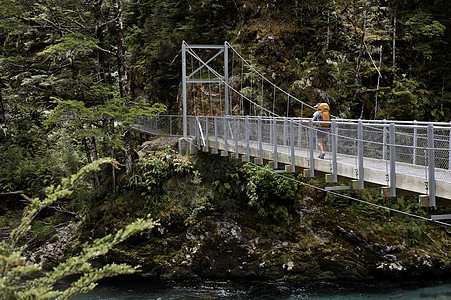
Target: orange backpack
x=324, y=114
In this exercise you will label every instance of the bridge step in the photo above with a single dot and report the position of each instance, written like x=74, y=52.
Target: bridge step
x=288, y=169
x=330, y=178
x=235, y=155
x=441, y=217
x=257, y=160
x=279, y=171
x=424, y=200
x=355, y=185
x=385, y=191
x=338, y=188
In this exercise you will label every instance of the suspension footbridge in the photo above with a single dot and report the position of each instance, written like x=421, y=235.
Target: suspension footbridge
x=229, y=107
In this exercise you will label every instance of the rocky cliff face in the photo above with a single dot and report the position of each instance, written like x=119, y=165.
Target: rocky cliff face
x=219, y=248
x=209, y=230
x=222, y=219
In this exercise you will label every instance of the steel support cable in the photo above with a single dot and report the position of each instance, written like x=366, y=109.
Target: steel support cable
x=250, y=95
x=193, y=90
x=423, y=125
x=355, y=159
x=202, y=93
x=241, y=87
x=443, y=138
x=267, y=80
x=288, y=105
x=261, y=103
x=389, y=144
x=193, y=54
x=225, y=83
x=220, y=98
x=387, y=176
x=274, y=99
x=330, y=150
x=356, y=199
x=418, y=136
x=426, y=173
x=231, y=96
x=209, y=95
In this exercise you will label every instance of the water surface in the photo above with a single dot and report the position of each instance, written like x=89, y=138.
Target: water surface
x=129, y=289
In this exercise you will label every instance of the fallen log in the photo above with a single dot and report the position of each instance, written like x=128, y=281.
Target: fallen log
x=23, y=194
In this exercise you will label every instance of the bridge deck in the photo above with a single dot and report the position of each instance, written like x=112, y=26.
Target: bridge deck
x=408, y=176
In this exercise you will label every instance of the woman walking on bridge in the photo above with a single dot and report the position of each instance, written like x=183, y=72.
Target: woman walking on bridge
x=323, y=116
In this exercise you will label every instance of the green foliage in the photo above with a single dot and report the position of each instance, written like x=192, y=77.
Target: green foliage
x=31, y=158
x=202, y=204
x=152, y=171
x=268, y=193
x=72, y=42
x=16, y=268
x=422, y=28
x=104, y=124
x=116, y=110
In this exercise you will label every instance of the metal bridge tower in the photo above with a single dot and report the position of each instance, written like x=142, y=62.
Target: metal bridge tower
x=194, y=77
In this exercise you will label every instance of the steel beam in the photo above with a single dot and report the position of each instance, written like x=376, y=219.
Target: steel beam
x=185, y=124
x=360, y=153
x=334, y=150
x=292, y=156
x=431, y=165
x=392, y=160
x=226, y=78
x=312, y=155
x=275, y=154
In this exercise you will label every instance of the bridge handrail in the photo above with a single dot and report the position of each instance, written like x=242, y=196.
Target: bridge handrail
x=441, y=125
x=374, y=123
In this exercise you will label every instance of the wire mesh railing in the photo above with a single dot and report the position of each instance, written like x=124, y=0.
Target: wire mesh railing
x=411, y=141
x=421, y=150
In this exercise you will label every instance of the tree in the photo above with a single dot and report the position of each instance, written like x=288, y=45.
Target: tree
x=15, y=268
x=106, y=123
x=2, y=107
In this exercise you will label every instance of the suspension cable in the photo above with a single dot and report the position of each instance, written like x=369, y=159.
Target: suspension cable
x=202, y=93
x=223, y=81
x=356, y=199
x=252, y=68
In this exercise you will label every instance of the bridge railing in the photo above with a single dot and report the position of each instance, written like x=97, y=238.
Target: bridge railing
x=411, y=140
x=164, y=125
x=423, y=147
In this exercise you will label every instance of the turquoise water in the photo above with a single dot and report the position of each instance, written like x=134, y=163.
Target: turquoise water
x=148, y=289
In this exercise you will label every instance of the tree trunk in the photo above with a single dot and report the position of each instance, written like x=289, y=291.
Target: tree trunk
x=394, y=41
x=328, y=28
x=100, y=35
x=2, y=108
x=88, y=152
x=123, y=81
x=128, y=151
x=362, y=41
x=113, y=172
x=121, y=59
x=94, y=158
x=378, y=82
x=357, y=68
x=86, y=148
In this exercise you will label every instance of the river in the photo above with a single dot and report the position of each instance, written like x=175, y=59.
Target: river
x=131, y=289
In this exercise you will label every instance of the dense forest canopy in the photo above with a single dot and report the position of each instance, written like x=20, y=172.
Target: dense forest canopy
x=106, y=60
x=75, y=73
x=371, y=58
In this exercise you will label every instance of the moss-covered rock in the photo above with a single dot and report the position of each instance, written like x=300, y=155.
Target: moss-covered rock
x=211, y=228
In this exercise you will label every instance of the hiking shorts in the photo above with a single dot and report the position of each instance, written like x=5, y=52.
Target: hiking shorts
x=322, y=133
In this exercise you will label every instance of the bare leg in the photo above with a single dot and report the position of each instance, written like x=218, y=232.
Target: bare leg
x=321, y=147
